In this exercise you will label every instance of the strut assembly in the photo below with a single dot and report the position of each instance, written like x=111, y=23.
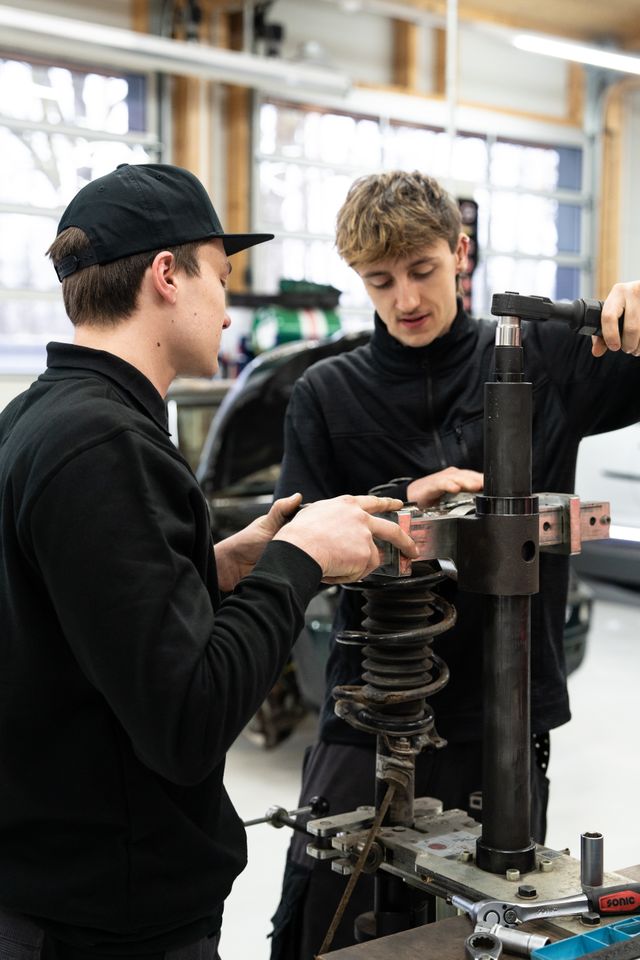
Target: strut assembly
x=508, y=526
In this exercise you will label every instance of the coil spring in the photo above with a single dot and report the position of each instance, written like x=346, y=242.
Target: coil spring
x=400, y=669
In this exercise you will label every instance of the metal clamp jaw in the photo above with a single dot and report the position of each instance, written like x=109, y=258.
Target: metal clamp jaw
x=564, y=523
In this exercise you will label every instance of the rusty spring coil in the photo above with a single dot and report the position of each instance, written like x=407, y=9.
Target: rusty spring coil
x=402, y=617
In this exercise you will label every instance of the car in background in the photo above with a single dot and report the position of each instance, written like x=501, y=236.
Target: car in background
x=238, y=468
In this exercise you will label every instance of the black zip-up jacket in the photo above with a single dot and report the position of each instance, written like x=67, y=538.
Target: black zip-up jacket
x=123, y=678
x=385, y=410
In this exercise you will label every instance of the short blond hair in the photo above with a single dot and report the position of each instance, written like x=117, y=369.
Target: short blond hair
x=390, y=215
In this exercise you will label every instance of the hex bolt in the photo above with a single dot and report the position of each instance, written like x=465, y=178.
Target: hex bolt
x=590, y=919
x=527, y=891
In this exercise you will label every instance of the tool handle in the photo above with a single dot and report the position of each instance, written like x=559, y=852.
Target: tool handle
x=624, y=898
x=582, y=316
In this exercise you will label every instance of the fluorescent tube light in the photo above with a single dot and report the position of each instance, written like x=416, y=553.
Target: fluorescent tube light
x=577, y=52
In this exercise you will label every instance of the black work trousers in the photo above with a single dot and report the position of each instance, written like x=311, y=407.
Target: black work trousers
x=21, y=939
x=345, y=776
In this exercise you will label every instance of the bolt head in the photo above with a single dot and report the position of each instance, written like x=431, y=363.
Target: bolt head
x=590, y=919
x=527, y=891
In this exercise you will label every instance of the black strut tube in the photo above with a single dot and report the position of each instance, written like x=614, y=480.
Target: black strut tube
x=506, y=818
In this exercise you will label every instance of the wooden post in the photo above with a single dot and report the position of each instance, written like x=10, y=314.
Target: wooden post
x=575, y=94
x=439, y=62
x=237, y=124
x=608, y=253
x=405, y=54
x=140, y=15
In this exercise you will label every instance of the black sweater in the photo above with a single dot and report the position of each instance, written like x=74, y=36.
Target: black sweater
x=123, y=684
x=385, y=410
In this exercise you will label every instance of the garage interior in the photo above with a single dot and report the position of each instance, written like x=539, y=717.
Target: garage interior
x=529, y=115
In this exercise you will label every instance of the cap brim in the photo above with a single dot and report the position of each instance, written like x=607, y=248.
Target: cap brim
x=235, y=242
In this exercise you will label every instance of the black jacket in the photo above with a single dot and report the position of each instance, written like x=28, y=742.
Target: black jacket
x=386, y=410
x=124, y=680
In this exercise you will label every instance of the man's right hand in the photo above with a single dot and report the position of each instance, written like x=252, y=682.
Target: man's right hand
x=428, y=490
x=338, y=534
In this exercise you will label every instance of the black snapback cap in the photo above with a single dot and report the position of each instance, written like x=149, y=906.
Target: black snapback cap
x=140, y=207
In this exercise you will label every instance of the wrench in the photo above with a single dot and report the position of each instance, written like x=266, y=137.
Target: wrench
x=482, y=946
x=510, y=914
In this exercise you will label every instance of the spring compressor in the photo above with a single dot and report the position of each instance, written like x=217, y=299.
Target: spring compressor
x=506, y=527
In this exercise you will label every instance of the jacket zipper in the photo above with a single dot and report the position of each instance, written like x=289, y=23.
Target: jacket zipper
x=462, y=444
x=430, y=408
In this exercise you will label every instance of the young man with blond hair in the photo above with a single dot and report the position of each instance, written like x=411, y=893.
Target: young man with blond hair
x=409, y=405
x=131, y=652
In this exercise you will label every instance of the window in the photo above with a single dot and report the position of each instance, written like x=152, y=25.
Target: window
x=59, y=128
x=532, y=221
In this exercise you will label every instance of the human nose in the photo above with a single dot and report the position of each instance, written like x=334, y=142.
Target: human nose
x=407, y=296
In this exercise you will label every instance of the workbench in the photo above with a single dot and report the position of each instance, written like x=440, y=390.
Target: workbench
x=443, y=940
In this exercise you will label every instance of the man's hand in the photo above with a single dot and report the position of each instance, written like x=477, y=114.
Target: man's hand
x=426, y=491
x=338, y=534
x=623, y=298
x=237, y=555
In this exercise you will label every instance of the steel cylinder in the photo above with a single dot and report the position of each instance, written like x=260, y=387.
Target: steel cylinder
x=591, y=859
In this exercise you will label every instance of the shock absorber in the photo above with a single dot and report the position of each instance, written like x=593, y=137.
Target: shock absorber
x=400, y=670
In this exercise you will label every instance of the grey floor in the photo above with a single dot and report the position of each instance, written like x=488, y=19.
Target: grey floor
x=594, y=772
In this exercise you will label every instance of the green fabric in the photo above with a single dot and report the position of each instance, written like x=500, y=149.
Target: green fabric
x=274, y=325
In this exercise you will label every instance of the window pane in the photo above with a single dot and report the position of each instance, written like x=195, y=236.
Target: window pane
x=524, y=223
x=514, y=165
x=56, y=95
x=300, y=199
x=408, y=148
x=46, y=169
x=524, y=276
x=569, y=168
x=60, y=128
x=470, y=159
x=569, y=228
x=32, y=321
x=24, y=241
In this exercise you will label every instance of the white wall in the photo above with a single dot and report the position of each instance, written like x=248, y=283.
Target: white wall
x=11, y=385
x=495, y=73
x=490, y=70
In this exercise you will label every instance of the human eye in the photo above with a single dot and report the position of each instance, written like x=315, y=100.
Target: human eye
x=381, y=284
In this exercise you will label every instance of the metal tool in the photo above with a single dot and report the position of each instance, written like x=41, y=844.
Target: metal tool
x=483, y=946
x=279, y=817
x=581, y=316
x=591, y=859
x=620, y=899
x=511, y=914
x=519, y=942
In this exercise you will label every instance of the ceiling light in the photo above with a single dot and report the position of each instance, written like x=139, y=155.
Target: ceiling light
x=577, y=52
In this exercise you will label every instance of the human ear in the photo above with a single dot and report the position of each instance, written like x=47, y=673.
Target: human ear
x=163, y=275
x=461, y=251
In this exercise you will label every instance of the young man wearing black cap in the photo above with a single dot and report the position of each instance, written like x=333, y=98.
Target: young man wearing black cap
x=124, y=676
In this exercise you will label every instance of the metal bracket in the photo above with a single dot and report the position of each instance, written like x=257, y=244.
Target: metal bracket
x=564, y=524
